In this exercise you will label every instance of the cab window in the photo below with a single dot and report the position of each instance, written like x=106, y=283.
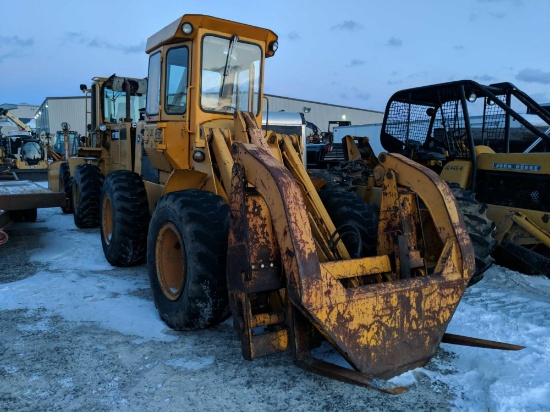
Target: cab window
x=230, y=75
x=153, y=87
x=177, y=60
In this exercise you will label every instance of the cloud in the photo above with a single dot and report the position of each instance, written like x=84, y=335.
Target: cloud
x=16, y=41
x=97, y=43
x=293, y=36
x=356, y=62
x=533, y=76
x=363, y=96
x=14, y=44
x=348, y=25
x=394, y=42
x=9, y=55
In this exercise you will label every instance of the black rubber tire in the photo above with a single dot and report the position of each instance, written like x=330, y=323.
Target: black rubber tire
x=479, y=227
x=347, y=210
x=87, y=184
x=186, y=259
x=25, y=215
x=124, y=218
x=66, y=185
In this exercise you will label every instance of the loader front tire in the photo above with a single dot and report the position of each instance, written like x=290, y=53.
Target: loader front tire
x=87, y=184
x=186, y=259
x=356, y=221
x=479, y=227
x=124, y=218
x=66, y=185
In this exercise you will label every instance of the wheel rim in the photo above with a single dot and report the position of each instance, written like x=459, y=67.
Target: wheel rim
x=170, y=261
x=107, y=223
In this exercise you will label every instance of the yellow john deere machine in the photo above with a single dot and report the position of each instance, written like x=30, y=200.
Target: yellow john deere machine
x=492, y=141
x=230, y=222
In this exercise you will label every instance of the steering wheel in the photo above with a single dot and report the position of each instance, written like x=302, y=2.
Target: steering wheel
x=228, y=109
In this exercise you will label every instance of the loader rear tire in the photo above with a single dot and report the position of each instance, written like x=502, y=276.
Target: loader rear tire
x=347, y=212
x=66, y=185
x=87, y=184
x=186, y=259
x=124, y=218
x=479, y=227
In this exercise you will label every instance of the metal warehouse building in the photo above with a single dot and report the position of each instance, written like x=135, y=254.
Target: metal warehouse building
x=321, y=113
x=56, y=110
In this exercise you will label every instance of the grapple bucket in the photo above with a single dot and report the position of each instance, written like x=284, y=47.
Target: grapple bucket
x=283, y=296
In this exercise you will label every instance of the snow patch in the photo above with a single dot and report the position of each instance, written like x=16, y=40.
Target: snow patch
x=192, y=363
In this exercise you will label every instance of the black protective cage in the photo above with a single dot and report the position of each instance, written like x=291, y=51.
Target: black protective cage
x=436, y=118
x=433, y=123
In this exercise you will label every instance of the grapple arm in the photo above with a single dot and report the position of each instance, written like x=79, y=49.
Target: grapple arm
x=382, y=329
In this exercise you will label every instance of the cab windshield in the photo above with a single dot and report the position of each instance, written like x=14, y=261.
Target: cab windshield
x=114, y=105
x=230, y=75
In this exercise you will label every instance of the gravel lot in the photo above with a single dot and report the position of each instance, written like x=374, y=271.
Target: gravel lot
x=78, y=334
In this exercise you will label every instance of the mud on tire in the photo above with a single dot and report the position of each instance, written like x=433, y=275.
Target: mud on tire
x=87, y=184
x=124, y=217
x=479, y=227
x=66, y=185
x=186, y=259
x=355, y=221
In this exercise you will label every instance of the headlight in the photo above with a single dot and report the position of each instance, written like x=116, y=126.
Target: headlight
x=102, y=127
x=273, y=46
x=198, y=156
x=187, y=28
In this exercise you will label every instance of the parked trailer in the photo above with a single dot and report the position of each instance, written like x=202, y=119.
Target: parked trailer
x=20, y=199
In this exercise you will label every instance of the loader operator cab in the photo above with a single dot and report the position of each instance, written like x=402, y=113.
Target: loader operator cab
x=116, y=104
x=201, y=71
x=227, y=76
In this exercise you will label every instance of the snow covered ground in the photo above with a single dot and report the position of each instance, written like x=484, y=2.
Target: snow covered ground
x=78, y=334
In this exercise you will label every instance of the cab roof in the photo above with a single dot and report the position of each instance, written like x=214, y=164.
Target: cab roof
x=173, y=33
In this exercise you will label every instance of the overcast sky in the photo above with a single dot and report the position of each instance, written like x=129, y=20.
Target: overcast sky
x=352, y=53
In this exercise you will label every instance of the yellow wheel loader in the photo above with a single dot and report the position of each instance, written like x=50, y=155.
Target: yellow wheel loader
x=110, y=144
x=490, y=142
x=230, y=222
